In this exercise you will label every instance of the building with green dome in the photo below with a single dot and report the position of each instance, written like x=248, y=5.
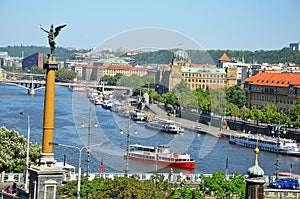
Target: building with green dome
x=255, y=181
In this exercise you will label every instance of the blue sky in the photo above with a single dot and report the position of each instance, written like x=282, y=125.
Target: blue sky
x=213, y=24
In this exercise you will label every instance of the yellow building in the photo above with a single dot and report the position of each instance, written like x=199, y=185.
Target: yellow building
x=95, y=73
x=124, y=70
x=2, y=74
x=281, y=89
x=201, y=76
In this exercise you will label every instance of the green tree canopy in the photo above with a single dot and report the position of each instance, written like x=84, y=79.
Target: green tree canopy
x=295, y=113
x=65, y=74
x=204, y=100
x=13, y=151
x=119, y=187
x=186, y=98
x=236, y=96
x=218, y=184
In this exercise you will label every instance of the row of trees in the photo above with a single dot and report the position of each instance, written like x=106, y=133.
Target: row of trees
x=230, y=101
x=218, y=185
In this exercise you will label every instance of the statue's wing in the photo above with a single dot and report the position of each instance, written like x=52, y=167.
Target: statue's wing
x=57, y=29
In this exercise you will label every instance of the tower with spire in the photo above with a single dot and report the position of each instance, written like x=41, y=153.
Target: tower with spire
x=255, y=181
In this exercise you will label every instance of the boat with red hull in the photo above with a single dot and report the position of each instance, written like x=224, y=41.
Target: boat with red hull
x=160, y=155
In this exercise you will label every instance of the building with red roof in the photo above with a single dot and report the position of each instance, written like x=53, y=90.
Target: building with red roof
x=281, y=89
x=224, y=58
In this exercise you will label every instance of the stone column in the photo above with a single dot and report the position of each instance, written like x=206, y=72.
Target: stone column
x=45, y=178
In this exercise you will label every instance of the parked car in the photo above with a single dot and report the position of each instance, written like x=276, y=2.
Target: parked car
x=288, y=183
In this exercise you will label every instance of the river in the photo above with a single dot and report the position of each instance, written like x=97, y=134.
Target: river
x=71, y=109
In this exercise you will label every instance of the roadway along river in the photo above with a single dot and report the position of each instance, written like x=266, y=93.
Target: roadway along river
x=71, y=109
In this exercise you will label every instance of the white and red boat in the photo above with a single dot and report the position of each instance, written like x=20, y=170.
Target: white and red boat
x=161, y=155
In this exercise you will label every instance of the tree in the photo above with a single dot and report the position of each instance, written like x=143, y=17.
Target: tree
x=170, y=98
x=203, y=98
x=219, y=185
x=133, y=81
x=65, y=74
x=13, y=151
x=232, y=110
x=236, y=96
x=36, y=70
x=244, y=112
x=218, y=101
x=186, y=98
x=295, y=113
x=270, y=113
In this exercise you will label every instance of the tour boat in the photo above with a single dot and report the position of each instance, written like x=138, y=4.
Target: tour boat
x=160, y=155
x=266, y=143
x=168, y=126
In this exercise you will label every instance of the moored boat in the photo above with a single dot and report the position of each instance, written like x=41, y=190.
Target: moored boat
x=167, y=126
x=107, y=104
x=161, y=155
x=124, y=113
x=138, y=116
x=98, y=101
x=266, y=143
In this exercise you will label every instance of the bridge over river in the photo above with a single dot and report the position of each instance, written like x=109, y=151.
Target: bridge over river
x=33, y=85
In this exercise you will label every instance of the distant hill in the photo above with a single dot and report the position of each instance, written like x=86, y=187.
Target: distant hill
x=62, y=54
x=284, y=55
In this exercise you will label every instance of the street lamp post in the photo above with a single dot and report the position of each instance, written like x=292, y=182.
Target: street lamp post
x=27, y=148
x=79, y=161
x=127, y=147
x=89, y=139
x=276, y=131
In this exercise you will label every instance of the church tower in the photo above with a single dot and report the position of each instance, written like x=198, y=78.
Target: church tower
x=255, y=181
x=180, y=59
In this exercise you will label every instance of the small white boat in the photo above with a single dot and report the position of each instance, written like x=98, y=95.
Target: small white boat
x=168, y=126
x=107, y=104
x=138, y=116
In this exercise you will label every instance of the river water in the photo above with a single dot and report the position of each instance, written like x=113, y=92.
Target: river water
x=72, y=109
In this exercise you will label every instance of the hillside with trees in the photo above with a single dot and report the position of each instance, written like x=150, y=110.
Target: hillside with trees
x=62, y=54
x=284, y=55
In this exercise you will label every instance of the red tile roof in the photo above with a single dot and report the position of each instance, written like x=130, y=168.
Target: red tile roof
x=275, y=79
x=224, y=57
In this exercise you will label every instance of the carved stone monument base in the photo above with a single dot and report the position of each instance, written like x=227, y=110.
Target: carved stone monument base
x=45, y=178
